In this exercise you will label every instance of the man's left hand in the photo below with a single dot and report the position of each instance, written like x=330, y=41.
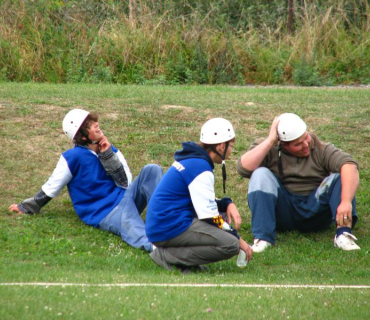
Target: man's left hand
x=104, y=144
x=233, y=214
x=344, y=215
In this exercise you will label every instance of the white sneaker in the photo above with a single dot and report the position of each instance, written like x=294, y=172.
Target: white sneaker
x=260, y=245
x=346, y=242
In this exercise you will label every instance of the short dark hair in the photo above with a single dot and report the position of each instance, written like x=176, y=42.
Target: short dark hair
x=83, y=131
x=211, y=147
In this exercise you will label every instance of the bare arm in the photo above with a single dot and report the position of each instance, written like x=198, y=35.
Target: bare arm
x=233, y=214
x=253, y=158
x=246, y=248
x=350, y=182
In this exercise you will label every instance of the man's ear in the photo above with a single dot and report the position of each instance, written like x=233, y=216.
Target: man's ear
x=221, y=147
x=284, y=144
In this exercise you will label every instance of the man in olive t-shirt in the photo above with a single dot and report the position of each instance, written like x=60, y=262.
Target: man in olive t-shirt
x=298, y=182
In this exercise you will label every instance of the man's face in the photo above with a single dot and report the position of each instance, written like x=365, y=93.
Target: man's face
x=300, y=147
x=95, y=134
x=230, y=149
x=221, y=149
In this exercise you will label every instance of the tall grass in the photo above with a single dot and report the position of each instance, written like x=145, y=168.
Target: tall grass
x=171, y=42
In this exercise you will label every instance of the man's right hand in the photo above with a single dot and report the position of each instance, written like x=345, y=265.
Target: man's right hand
x=273, y=135
x=253, y=158
x=246, y=248
x=14, y=208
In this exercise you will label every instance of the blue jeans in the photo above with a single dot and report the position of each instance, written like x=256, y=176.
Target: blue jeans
x=125, y=220
x=276, y=209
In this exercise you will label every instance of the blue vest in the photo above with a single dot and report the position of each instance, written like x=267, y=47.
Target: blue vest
x=94, y=194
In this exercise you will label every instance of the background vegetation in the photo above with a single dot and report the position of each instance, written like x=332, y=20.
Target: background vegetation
x=185, y=41
x=148, y=124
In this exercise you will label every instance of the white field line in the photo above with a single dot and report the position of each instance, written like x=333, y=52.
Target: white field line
x=182, y=285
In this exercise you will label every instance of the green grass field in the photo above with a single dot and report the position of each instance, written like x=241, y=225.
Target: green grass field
x=148, y=123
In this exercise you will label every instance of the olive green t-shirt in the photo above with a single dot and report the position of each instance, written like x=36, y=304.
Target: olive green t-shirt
x=303, y=175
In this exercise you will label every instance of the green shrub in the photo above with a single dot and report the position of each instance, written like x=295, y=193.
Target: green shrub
x=306, y=74
x=178, y=42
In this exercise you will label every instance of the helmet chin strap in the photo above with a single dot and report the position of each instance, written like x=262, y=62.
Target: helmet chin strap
x=280, y=165
x=223, y=164
x=90, y=141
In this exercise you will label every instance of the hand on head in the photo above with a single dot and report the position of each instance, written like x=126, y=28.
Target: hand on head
x=273, y=135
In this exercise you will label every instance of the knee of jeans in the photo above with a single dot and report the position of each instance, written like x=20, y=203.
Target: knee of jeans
x=153, y=169
x=263, y=179
x=332, y=179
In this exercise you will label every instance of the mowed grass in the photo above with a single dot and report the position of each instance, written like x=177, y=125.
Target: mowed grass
x=182, y=303
x=148, y=124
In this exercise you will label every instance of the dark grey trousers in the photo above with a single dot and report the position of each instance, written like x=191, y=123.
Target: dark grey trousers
x=201, y=244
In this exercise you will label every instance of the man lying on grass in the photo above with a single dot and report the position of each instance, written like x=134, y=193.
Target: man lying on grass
x=99, y=182
x=298, y=182
x=184, y=218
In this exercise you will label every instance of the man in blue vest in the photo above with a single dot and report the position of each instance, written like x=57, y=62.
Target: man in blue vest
x=99, y=182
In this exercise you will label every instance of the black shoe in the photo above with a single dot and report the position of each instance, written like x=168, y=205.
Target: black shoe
x=191, y=269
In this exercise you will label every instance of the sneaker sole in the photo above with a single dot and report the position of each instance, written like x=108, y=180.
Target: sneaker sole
x=348, y=249
x=259, y=250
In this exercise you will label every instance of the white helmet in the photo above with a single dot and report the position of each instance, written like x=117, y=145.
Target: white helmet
x=290, y=127
x=73, y=121
x=217, y=130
